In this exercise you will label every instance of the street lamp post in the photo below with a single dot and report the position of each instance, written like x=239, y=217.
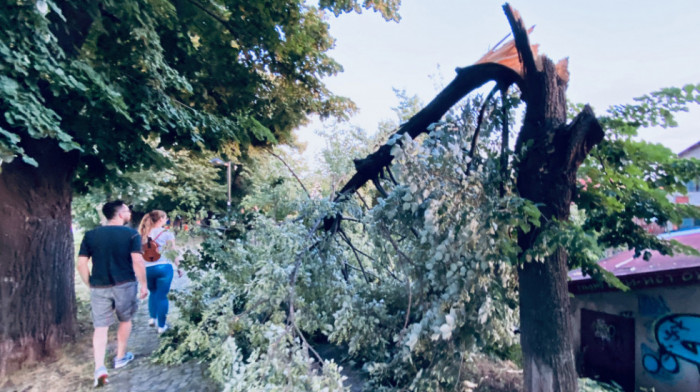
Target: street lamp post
x=220, y=162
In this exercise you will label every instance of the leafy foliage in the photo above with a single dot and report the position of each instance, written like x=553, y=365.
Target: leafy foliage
x=186, y=187
x=392, y=298
x=117, y=80
x=625, y=181
x=236, y=310
x=418, y=281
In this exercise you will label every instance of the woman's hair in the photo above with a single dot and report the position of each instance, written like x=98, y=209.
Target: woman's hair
x=149, y=220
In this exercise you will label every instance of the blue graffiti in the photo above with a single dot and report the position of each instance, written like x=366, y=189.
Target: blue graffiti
x=652, y=306
x=678, y=336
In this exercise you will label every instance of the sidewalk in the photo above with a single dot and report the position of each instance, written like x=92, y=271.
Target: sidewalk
x=72, y=370
x=143, y=376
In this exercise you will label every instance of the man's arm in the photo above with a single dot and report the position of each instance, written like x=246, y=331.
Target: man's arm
x=140, y=271
x=84, y=270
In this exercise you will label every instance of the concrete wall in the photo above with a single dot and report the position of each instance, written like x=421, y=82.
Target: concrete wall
x=676, y=312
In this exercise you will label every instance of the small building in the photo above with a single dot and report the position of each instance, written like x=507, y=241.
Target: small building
x=648, y=337
x=693, y=195
x=691, y=152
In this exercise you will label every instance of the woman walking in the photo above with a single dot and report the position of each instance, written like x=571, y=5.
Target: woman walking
x=159, y=273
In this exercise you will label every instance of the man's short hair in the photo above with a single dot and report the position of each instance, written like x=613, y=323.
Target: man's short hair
x=110, y=208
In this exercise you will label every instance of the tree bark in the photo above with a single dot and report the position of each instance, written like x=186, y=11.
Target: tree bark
x=37, y=273
x=545, y=322
x=547, y=175
x=551, y=154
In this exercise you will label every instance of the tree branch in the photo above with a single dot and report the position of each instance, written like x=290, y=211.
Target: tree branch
x=480, y=119
x=584, y=133
x=350, y=219
x=359, y=262
x=391, y=176
x=362, y=199
x=212, y=15
x=505, y=133
x=379, y=187
x=467, y=80
x=396, y=246
x=297, y=264
x=291, y=171
x=408, y=311
x=303, y=339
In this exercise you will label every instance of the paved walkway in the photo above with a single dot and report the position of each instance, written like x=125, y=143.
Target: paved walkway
x=143, y=376
x=72, y=370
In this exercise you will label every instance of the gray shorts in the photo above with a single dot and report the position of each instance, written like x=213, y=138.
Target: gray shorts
x=120, y=299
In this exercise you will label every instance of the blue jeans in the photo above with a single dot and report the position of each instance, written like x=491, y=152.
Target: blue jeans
x=159, y=278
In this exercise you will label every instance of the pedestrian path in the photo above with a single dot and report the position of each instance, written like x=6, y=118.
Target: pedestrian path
x=141, y=375
x=71, y=370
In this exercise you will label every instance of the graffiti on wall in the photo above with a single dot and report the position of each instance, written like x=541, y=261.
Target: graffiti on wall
x=603, y=330
x=652, y=306
x=678, y=337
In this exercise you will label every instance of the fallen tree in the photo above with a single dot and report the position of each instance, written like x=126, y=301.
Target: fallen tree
x=550, y=153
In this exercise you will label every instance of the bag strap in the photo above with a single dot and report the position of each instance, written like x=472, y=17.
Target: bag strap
x=160, y=234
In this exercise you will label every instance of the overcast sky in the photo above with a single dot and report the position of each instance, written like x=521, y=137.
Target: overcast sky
x=617, y=50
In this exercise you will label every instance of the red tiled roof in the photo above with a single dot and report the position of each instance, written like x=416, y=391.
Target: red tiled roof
x=624, y=263
x=637, y=273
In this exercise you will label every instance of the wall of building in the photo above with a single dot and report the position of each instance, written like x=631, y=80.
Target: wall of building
x=693, y=196
x=694, y=153
x=667, y=321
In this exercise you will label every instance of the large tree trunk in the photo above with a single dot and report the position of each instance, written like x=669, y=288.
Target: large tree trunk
x=545, y=322
x=37, y=290
x=547, y=176
x=551, y=154
x=37, y=296
x=545, y=325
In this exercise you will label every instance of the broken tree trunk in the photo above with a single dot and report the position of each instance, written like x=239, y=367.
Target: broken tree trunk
x=551, y=153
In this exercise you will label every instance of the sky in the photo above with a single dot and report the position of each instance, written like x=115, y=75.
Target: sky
x=617, y=50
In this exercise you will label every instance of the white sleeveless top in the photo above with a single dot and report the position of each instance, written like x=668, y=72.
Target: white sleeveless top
x=161, y=241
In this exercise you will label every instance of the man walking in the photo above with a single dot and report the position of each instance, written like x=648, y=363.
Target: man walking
x=115, y=251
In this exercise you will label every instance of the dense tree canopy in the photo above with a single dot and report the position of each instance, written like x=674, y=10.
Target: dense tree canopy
x=113, y=80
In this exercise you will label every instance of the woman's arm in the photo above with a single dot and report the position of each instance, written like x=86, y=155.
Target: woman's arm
x=170, y=245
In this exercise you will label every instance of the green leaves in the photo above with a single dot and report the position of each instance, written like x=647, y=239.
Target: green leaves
x=216, y=76
x=388, y=9
x=655, y=109
x=625, y=183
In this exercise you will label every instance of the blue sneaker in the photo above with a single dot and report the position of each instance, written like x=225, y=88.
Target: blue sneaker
x=101, y=377
x=121, y=362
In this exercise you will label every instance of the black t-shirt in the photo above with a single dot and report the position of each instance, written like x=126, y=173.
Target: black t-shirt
x=110, y=248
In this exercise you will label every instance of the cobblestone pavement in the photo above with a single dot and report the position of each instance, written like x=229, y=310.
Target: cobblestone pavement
x=143, y=376
x=72, y=370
